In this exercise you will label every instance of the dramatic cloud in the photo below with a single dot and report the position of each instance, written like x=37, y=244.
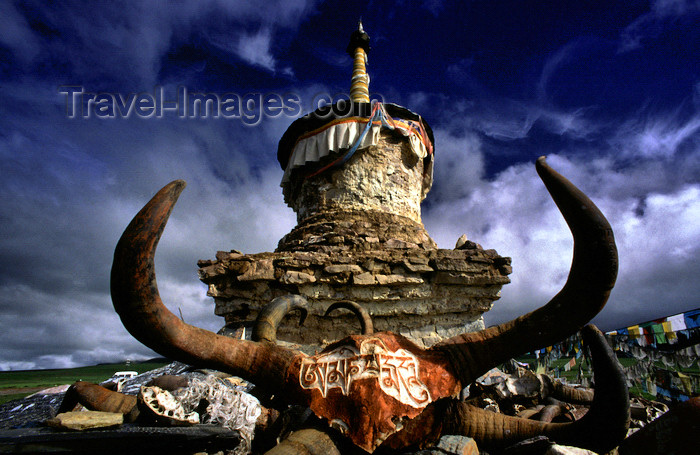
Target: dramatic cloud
x=654, y=217
x=617, y=113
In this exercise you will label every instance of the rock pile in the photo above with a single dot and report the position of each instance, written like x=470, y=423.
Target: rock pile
x=521, y=393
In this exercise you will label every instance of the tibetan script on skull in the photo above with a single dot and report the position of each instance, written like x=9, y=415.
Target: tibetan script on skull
x=396, y=372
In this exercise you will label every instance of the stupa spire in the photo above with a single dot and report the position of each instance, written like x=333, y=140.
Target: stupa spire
x=358, y=48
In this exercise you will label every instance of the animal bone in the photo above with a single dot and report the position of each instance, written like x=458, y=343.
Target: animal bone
x=163, y=407
x=383, y=387
x=97, y=398
x=366, y=325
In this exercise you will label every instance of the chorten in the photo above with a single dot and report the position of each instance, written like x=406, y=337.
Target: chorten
x=355, y=174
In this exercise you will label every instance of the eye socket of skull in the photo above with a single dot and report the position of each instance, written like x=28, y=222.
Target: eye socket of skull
x=162, y=407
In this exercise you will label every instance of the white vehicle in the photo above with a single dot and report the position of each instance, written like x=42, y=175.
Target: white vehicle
x=120, y=377
x=124, y=375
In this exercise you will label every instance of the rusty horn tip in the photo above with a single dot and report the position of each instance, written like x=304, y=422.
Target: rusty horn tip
x=133, y=271
x=270, y=317
x=358, y=310
x=591, y=277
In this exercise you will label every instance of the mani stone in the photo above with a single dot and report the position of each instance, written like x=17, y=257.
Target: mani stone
x=360, y=237
x=86, y=420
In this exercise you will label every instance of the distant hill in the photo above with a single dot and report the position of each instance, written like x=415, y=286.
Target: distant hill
x=138, y=362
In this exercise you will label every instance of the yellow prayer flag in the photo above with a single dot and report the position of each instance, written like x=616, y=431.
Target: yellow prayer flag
x=670, y=334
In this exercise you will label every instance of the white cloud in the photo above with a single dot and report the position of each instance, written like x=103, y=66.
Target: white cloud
x=670, y=8
x=658, y=137
x=460, y=166
x=642, y=172
x=658, y=245
x=14, y=366
x=512, y=215
x=130, y=44
x=550, y=67
x=59, y=329
x=651, y=25
x=510, y=120
x=255, y=49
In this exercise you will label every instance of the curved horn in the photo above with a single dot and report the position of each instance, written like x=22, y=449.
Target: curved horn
x=592, y=276
x=269, y=319
x=98, y=398
x=559, y=391
x=601, y=429
x=358, y=310
x=136, y=299
x=551, y=411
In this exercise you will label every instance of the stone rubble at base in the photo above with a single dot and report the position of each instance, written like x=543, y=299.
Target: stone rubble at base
x=31, y=412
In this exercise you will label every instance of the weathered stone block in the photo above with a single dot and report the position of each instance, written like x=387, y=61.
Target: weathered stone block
x=457, y=265
x=343, y=268
x=453, y=278
x=335, y=239
x=227, y=255
x=205, y=262
x=376, y=266
x=418, y=268
x=314, y=239
x=211, y=270
x=364, y=279
x=418, y=258
x=397, y=279
x=402, y=244
x=259, y=270
x=294, y=277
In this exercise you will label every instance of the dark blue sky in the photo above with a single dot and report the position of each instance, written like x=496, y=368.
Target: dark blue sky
x=610, y=91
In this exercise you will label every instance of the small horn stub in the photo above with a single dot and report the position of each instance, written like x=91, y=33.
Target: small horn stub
x=559, y=391
x=97, y=398
x=600, y=430
x=269, y=319
x=366, y=325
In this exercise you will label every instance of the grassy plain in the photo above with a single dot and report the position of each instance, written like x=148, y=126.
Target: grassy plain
x=18, y=384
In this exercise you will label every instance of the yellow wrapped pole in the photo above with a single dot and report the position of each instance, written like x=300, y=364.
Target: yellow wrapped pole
x=358, y=50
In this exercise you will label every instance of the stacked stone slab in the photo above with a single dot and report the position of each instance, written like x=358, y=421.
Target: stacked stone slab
x=360, y=237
